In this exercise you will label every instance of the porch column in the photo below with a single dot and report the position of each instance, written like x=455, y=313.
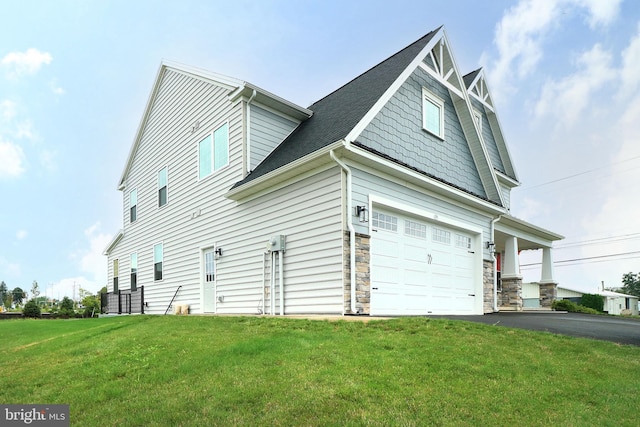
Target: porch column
x=548, y=285
x=511, y=278
x=511, y=264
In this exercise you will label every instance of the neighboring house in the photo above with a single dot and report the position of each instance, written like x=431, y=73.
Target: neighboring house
x=614, y=302
x=238, y=201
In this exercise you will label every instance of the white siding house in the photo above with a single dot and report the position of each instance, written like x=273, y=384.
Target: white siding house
x=389, y=196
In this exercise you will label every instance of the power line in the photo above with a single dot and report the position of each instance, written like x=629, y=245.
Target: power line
x=578, y=174
x=599, y=240
x=576, y=260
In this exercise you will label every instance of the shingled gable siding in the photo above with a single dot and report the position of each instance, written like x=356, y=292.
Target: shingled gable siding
x=267, y=131
x=397, y=132
x=167, y=140
x=487, y=136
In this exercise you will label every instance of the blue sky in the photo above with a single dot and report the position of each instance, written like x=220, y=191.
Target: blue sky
x=75, y=77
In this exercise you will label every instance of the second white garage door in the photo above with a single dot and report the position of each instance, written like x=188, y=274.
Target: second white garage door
x=420, y=268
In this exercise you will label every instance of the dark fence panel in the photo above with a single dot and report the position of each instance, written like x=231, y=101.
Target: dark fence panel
x=124, y=302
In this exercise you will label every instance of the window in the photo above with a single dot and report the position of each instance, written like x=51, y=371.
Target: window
x=386, y=222
x=157, y=261
x=133, y=205
x=213, y=151
x=463, y=242
x=415, y=229
x=134, y=271
x=115, y=275
x=432, y=114
x=441, y=236
x=162, y=187
x=209, y=266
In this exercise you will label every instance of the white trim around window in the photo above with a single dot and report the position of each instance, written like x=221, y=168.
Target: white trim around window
x=432, y=113
x=163, y=187
x=158, y=262
x=477, y=116
x=213, y=151
x=133, y=205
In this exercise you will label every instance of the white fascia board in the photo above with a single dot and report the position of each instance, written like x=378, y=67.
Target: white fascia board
x=283, y=173
x=507, y=180
x=392, y=89
x=113, y=243
x=423, y=181
x=511, y=224
x=274, y=101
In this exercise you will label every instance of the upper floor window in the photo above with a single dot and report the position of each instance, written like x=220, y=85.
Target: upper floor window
x=133, y=205
x=213, y=151
x=134, y=271
x=432, y=114
x=163, y=182
x=158, y=256
x=115, y=275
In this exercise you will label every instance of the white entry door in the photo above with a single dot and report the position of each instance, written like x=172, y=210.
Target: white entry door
x=209, y=281
x=419, y=268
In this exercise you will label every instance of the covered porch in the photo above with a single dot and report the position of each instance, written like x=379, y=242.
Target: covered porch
x=511, y=236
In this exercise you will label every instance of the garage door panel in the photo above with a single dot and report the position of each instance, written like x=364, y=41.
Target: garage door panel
x=419, y=268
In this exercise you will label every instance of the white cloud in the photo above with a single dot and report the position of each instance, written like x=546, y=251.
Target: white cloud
x=55, y=88
x=69, y=287
x=11, y=160
x=566, y=99
x=7, y=110
x=9, y=268
x=48, y=160
x=601, y=12
x=630, y=65
x=90, y=259
x=21, y=234
x=27, y=62
x=524, y=29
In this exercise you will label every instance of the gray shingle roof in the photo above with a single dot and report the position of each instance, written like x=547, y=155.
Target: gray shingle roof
x=468, y=79
x=335, y=115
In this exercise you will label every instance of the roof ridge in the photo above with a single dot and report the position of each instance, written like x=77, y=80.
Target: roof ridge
x=375, y=66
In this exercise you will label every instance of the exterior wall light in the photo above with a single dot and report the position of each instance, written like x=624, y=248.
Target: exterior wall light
x=362, y=213
x=218, y=252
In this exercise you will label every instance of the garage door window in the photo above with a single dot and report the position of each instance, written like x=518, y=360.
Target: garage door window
x=463, y=242
x=415, y=229
x=441, y=236
x=385, y=222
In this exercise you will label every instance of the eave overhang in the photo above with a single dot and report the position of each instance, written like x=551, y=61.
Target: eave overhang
x=116, y=239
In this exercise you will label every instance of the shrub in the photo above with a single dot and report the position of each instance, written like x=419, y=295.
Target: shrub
x=31, y=309
x=66, y=307
x=587, y=310
x=564, y=305
x=593, y=301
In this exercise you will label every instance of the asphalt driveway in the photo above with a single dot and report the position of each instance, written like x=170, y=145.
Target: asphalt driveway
x=610, y=328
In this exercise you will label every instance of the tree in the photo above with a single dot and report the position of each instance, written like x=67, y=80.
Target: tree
x=91, y=304
x=35, y=291
x=631, y=284
x=66, y=306
x=18, y=295
x=3, y=291
x=31, y=309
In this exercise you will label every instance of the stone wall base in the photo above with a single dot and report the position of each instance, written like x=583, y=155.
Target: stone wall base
x=548, y=293
x=487, y=286
x=512, y=293
x=363, y=274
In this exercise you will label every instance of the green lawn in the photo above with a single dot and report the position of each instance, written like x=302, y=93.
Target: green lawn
x=201, y=371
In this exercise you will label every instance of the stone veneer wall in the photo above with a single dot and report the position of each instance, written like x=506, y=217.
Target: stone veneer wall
x=487, y=286
x=512, y=293
x=363, y=275
x=548, y=293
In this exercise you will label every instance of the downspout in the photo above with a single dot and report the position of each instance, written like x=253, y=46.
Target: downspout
x=495, y=265
x=352, y=232
x=253, y=95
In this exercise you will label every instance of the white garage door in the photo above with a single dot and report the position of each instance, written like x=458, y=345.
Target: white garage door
x=420, y=268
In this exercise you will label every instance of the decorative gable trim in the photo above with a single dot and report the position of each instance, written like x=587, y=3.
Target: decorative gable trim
x=437, y=59
x=479, y=90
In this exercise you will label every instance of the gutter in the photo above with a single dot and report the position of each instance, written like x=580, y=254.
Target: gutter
x=253, y=95
x=495, y=266
x=352, y=231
